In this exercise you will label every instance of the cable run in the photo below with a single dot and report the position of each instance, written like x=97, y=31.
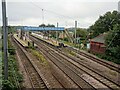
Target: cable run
x=49, y=11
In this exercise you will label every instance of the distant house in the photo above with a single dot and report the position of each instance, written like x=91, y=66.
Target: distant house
x=97, y=44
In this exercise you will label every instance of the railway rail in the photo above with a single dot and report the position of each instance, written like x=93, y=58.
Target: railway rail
x=64, y=68
x=114, y=67
x=34, y=77
x=107, y=82
x=114, y=80
x=98, y=76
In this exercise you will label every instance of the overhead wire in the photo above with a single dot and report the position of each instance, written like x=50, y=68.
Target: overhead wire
x=32, y=2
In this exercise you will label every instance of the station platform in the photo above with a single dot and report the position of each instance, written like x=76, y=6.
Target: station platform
x=24, y=43
x=46, y=39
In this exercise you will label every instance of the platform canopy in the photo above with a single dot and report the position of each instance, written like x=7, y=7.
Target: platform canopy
x=29, y=28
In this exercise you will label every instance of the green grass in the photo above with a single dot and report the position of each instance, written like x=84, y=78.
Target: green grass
x=108, y=58
x=1, y=62
x=0, y=43
x=113, y=73
x=0, y=67
x=73, y=44
x=39, y=56
x=72, y=53
x=69, y=52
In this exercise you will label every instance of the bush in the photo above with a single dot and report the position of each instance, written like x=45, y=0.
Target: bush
x=65, y=39
x=14, y=77
x=11, y=51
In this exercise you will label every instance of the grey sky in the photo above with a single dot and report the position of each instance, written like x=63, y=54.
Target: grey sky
x=29, y=12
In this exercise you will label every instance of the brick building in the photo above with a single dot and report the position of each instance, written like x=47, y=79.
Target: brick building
x=97, y=44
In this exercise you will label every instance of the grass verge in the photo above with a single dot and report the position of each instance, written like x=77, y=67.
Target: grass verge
x=39, y=56
x=14, y=76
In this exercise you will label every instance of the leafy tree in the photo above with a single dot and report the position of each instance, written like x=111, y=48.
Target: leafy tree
x=113, y=43
x=49, y=25
x=105, y=23
x=81, y=33
x=42, y=25
x=110, y=23
x=11, y=29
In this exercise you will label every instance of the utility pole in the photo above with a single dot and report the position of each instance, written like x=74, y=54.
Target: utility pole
x=119, y=7
x=75, y=30
x=57, y=33
x=43, y=15
x=5, y=39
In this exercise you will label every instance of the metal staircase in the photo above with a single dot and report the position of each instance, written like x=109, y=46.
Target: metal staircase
x=70, y=38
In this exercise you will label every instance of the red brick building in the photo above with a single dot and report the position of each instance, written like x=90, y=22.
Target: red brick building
x=97, y=44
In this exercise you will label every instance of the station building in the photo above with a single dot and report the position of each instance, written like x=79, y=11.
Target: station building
x=97, y=44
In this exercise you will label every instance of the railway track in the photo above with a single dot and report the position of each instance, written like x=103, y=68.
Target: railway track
x=100, y=61
x=114, y=80
x=101, y=78
x=111, y=66
x=67, y=70
x=34, y=77
x=92, y=73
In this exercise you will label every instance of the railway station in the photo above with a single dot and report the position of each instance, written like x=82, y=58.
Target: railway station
x=41, y=55
x=49, y=46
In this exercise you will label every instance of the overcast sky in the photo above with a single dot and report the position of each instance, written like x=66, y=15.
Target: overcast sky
x=65, y=12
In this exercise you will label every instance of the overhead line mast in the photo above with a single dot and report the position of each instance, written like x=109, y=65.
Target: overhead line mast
x=43, y=15
x=5, y=36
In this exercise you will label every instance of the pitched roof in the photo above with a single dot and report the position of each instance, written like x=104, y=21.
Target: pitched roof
x=100, y=38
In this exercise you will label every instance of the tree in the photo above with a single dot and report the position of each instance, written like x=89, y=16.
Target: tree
x=49, y=25
x=105, y=23
x=11, y=29
x=42, y=25
x=113, y=43
x=81, y=33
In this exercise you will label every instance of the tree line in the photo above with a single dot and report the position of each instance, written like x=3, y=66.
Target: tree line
x=109, y=23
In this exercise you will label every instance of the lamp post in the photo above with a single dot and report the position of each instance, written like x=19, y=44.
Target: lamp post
x=57, y=34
